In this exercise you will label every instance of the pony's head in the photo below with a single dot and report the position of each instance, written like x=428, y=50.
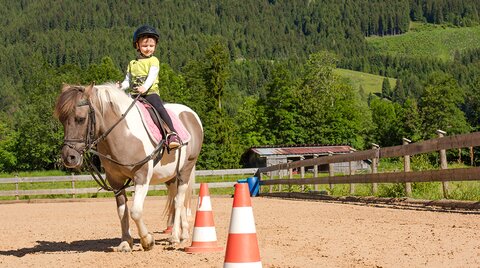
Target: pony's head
x=81, y=110
x=73, y=109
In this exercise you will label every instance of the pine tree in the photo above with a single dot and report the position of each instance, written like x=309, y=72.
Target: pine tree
x=217, y=71
x=386, y=89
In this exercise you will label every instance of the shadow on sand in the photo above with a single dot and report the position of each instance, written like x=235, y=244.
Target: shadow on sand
x=98, y=245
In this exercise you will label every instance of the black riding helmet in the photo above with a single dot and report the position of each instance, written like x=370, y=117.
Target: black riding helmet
x=144, y=30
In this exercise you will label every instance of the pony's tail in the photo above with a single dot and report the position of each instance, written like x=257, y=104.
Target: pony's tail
x=169, y=210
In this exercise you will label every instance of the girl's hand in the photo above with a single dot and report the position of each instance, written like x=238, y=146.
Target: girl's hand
x=118, y=84
x=141, y=89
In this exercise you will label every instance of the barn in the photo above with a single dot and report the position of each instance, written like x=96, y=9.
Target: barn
x=263, y=156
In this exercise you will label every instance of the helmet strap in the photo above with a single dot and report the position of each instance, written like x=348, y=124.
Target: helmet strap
x=142, y=56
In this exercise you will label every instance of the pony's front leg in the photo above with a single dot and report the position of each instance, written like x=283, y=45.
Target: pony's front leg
x=127, y=241
x=180, y=230
x=146, y=238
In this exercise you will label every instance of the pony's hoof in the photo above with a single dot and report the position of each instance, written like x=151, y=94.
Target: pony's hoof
x=184, y=237
x=184, y=241
x=123, y=247
x=147, y=242
x=174, y=240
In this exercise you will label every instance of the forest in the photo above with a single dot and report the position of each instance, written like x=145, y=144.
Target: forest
x=257, y=72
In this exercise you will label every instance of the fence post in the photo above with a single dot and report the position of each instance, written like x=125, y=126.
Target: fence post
x=16, y=186
x=271, y=185
x=290, y=177
x=315, y=172
x=443, y=163
x=406, y=168
x=471, y=156
x=351, y=171
x=374, y=168
x=331, y=172
x=73, y=185
x=284, y=174
x=302, y=173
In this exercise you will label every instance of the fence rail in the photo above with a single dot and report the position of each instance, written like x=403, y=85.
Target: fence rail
x=75, y=178
x=460, y=174
x=433, y=145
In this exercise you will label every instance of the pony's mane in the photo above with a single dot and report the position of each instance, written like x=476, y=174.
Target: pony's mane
x=110, y=95
x=102, y=96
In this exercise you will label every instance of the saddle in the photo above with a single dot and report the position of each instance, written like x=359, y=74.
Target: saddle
x=156, y=127
x=157, y=120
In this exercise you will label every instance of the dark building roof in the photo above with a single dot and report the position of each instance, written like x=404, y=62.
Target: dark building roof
x=305, y=149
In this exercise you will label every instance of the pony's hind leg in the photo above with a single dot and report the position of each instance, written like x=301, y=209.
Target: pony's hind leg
x=170, y=206
x=180, y=232
x=127, y=242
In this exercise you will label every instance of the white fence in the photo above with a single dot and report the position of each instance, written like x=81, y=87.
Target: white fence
x=248, y=172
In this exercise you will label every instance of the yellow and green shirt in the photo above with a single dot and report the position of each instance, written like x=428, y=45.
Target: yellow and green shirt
x=142, y=72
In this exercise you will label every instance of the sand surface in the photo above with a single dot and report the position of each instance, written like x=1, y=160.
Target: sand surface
x=290, y=233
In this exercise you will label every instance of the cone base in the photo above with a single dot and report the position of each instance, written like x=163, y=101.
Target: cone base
x=168, y=230
x=194, y=249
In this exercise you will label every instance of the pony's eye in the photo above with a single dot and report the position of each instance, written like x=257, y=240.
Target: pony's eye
x=80, y=120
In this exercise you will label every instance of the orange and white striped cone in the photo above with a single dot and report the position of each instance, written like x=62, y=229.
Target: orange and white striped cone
x=168, y=230
x=242, y=245
x=204, y=237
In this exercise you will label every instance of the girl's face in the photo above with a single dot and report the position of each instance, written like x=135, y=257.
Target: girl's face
x=146, y=46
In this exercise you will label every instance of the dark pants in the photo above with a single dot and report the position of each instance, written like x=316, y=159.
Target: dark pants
x=157, y=103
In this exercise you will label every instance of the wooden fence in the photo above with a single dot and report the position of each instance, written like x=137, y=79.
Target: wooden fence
x=18, y=181
x=440, y=144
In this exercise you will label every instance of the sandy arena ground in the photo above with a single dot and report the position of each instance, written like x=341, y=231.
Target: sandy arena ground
x=290, y=234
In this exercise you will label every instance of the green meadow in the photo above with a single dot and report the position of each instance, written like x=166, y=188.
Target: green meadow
x=423, y=40
x=371, y=83
x=428, y=40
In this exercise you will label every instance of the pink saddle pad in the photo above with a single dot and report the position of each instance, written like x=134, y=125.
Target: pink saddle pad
x=153, y=130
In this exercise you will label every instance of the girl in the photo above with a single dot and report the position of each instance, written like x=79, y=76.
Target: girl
x=142, y=76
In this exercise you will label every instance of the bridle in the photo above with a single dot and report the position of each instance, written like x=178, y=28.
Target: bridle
x=89, y=140
x=90, y=143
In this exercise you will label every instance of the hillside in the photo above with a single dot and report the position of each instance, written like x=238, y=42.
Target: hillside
x=430, y=41
x=371, y=83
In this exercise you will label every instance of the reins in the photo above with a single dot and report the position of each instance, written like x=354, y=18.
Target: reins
x=105, y=134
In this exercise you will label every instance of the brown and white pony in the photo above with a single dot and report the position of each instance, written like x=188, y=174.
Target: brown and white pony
x=93, y=115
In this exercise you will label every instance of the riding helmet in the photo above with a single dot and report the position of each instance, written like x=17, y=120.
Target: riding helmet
x=144, y=30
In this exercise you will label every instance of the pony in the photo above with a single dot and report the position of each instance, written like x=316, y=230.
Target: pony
x=99, y=119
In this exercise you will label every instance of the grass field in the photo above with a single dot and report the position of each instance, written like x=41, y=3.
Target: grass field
x=428, y=40
x=371, y=83
x=423, y=40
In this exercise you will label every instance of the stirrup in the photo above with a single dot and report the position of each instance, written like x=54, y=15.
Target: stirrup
x=173, y=141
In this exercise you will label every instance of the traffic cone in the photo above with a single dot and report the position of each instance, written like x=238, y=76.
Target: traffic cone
x=242, y=245
x=204, y=235
x=168, y=230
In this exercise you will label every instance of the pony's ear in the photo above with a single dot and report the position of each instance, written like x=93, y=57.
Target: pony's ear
x=65, y=87
x=89, y=88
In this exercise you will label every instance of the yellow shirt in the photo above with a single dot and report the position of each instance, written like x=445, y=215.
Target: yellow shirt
x=139, y=69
